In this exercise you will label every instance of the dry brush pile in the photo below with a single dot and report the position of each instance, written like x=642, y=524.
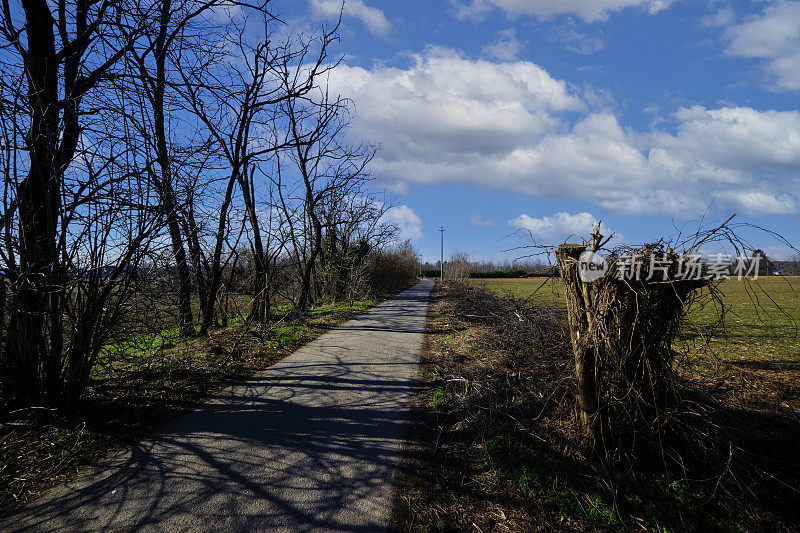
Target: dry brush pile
x=501, y=440
x=636, y=404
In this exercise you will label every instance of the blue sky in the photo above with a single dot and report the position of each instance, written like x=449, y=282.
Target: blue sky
x=546, y=115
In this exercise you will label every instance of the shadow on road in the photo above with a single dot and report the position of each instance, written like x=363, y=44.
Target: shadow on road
x=309, y=444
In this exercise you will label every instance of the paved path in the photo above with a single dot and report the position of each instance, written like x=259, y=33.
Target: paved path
x=309, y=444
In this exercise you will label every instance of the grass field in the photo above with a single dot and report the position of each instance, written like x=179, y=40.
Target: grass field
x=542, y=291
x=761, y=325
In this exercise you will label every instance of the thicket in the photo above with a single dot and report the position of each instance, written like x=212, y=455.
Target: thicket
x=177, y=157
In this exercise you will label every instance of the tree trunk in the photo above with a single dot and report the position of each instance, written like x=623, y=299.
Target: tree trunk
x=216, y=259
x=38, y=199
x=592, y=419
x=259, y=310
x=305, y=289
x=196, y=256
x=164, y=183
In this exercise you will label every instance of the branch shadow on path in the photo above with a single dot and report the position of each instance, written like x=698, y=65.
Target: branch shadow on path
x=310, y=444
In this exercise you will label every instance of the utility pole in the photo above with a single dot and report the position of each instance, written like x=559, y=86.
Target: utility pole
x=441, y=262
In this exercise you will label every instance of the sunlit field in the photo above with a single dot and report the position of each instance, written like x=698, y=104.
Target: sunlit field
x=542, y=291
x=760, y=326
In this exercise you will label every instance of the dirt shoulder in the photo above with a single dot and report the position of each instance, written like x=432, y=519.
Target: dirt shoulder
x=492, y=446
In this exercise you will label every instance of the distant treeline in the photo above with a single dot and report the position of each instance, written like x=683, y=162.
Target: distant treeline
x=518, y=273
x=788, y=268
x=504, y=274
x=460, y=266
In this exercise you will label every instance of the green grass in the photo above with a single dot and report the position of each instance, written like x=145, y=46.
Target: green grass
x=361, y=305
x=761, y=317
x=146, y=345
x=438, y=398
x=540, y=291
x=289, y=334
x=760, y=324
x=140, y=346
x=602, y=512
x=516, y=462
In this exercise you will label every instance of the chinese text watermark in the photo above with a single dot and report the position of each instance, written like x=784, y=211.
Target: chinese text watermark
x=668, y=267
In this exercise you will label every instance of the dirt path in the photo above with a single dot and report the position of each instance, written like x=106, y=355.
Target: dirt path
x=309, y=444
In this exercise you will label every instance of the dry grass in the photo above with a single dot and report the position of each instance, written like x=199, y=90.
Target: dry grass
x=493, y=445
x=455, y=477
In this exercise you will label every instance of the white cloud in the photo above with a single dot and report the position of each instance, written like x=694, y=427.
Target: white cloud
x=722, y=18
x=589, y=10
x=407, y=221
x=511, y=126
x=480, y=222
x=473, y=10
x=446, y=106
x=505, y=48
x=558, y=227
x=759, y=202
x=739, y=138
x=372, y=17
x=226, y=10
x=576, y=41
x=773, y=36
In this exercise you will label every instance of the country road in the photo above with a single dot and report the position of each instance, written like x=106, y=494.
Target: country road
x=308, y=445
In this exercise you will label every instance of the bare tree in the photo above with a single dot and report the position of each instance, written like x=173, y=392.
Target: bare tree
x=327, y=166
x=458, y=266
x=66, y=53
x=164, y=135
x=175, y=28
x=354, y=228
x=238, y=105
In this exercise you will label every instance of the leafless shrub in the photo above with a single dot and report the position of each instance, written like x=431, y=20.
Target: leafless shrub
x=634, y=408
x=458, y=266
x=391, y=269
